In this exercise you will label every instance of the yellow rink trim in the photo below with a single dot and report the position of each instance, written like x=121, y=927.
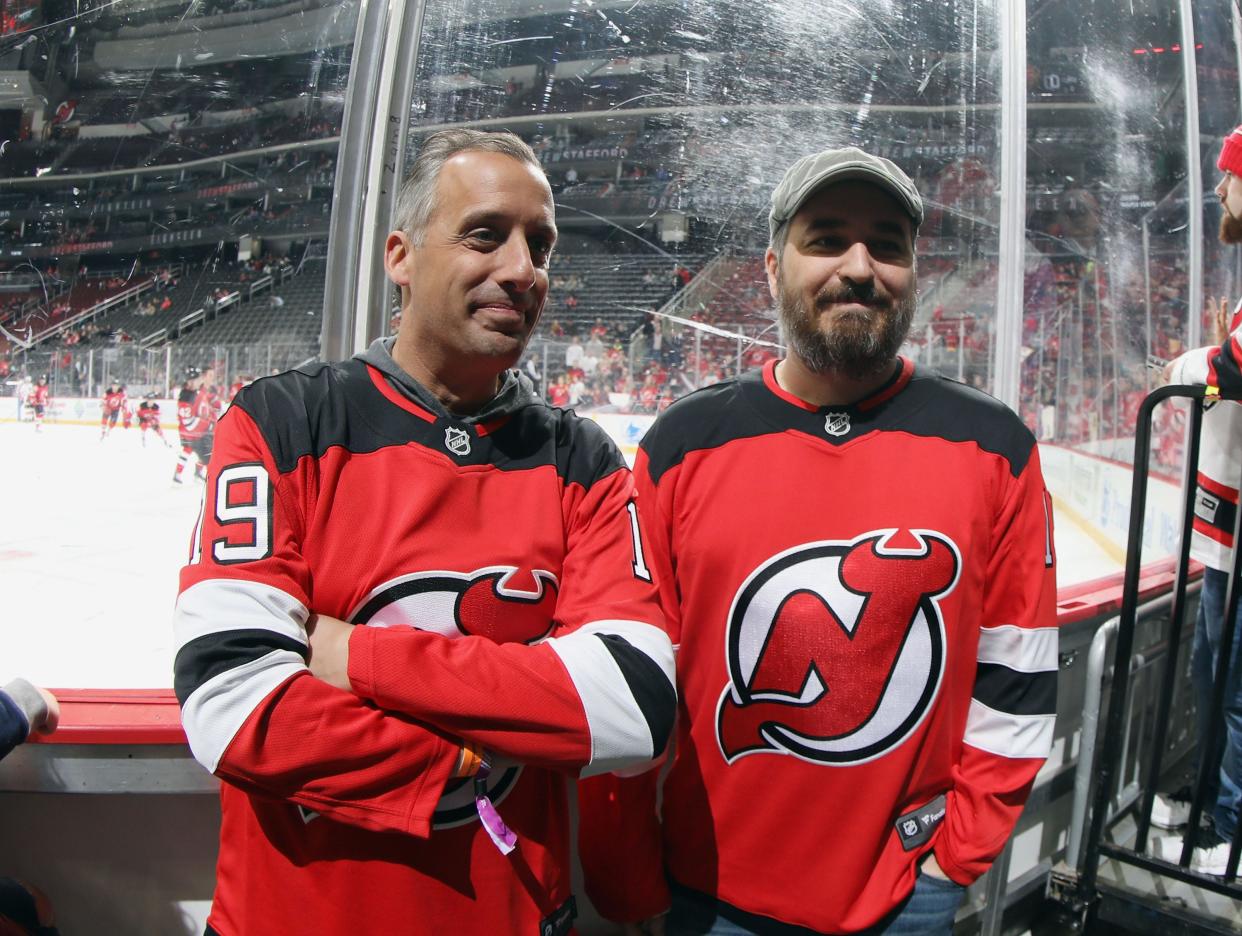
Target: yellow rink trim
x=1111, y=549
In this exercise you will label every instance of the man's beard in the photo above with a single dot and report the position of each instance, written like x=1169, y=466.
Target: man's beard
x=1230, y=227
x=855, y=345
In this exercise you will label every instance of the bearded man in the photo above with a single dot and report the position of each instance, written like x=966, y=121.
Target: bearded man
x=855, y=561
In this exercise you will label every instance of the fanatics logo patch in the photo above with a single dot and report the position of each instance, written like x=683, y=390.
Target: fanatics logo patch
x=915, y=828
x=837, y=424
x=457, y=441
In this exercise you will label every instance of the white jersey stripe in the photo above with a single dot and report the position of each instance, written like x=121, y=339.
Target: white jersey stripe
x=1025, y=649
x=1007, y=735
x=619, y=730
x=217, y=606
x=216, y=710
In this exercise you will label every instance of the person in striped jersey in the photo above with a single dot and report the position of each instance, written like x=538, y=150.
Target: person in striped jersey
x=855, y=557
x=1216, y=506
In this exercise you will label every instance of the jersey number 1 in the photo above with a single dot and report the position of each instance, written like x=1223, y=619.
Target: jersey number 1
x=640, y=563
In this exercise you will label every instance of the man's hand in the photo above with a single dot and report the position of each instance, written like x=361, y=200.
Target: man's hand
x=329, y=650
x=931, y=867
x=52, y=718
x=1218, y=313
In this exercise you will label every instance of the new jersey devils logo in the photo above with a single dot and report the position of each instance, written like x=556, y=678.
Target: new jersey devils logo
x=836, y=649
x=502, y=603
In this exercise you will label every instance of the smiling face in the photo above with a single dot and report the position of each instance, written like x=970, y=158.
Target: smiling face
x=844, y=282
x=472, y=290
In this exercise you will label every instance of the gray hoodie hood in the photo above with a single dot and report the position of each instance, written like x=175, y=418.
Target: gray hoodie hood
x=516, y=390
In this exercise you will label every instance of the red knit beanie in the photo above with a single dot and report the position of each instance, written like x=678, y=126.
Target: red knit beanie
x=1231, y=153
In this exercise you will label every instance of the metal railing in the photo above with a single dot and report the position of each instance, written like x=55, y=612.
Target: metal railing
x=1080, y=889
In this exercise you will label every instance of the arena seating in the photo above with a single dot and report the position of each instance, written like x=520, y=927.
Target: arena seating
x=295, y=324
x=614, y=289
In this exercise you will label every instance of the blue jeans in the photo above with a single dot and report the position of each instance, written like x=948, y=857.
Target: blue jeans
x=928, y=911
x=1225, y=785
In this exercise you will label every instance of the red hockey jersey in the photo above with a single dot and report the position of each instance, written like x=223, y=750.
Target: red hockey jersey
x=863, y=600
x=189, y=422
x=513, y=547
x=114, y=402
x=148, y=414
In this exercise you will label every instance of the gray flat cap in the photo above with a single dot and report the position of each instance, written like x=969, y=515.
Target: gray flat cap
x=811, y=173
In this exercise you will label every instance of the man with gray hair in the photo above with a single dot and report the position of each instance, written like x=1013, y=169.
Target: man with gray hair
x=855, y=559
x=408, y=776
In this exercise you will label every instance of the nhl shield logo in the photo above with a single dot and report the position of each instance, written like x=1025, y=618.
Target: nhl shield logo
x=457, y=441
x=837, y=424
x=910, y=826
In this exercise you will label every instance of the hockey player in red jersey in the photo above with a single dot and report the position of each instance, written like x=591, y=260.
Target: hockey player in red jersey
x=149, y=420
x=243, y=380
x=40, y=398
x=194, y=423
x=462, y=568
x=208, y=406
x=855, y=558
x=112, y=407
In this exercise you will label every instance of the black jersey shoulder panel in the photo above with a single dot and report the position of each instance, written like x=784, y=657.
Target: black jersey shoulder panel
x=704, y=419
x=945, y=409
x=930, y=406
x=585, y=453
x=307, y=411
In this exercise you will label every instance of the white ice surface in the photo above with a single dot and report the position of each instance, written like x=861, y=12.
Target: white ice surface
x=93, y=534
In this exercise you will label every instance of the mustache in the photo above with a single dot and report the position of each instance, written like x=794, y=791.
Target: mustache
x=869, y=294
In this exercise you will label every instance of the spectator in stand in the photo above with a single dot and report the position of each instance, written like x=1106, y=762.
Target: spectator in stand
x=595, y=344
x=577, y=389
x=25, y=709
x=1220, y=460
x=648, y=394
x=574, y=353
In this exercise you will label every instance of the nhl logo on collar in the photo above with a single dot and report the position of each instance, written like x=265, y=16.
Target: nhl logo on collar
x=837, y=424
x=457, y=440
